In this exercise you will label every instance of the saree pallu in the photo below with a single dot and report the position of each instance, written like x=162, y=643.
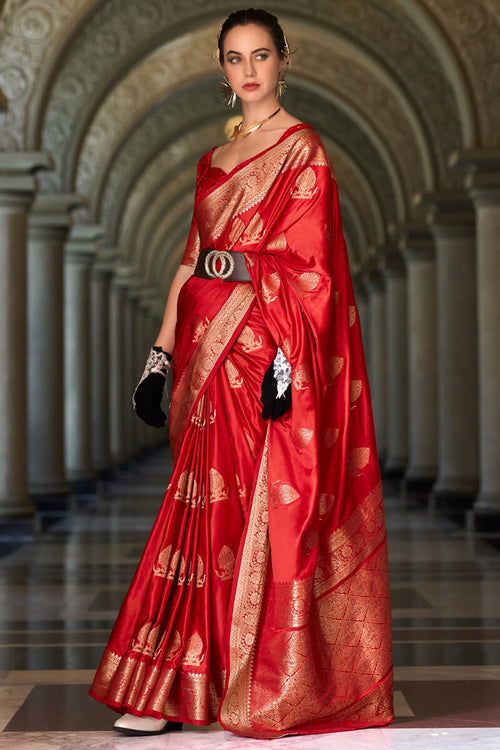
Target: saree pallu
x=262, y=598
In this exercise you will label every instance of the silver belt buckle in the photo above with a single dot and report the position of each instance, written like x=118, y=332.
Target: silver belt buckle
x=226, y=264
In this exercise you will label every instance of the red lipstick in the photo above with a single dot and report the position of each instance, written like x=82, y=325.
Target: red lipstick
x=251, y=86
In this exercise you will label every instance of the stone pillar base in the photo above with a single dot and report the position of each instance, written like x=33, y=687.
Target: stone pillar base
x=394, y=467
x=454, y=487
x=419, y=481
x=49, y=488
x=16, y=508
x=488, y=502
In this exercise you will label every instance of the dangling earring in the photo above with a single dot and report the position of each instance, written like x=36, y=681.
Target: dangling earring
x=228, y=95
x=281, y=85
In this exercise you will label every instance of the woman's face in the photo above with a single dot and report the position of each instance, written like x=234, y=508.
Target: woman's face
x=251, y=62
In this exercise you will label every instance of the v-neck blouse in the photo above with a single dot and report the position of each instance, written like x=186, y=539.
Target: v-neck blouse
x=210, y=175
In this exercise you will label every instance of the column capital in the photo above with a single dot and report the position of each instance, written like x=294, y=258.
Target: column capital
x=450, y=213
x=81, y=245
x=105, y=262
x=24, y=162
x=481, y=167
x=54, y=209
x=416, y=242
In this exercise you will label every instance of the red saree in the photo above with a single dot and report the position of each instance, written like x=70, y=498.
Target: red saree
x=262, y=598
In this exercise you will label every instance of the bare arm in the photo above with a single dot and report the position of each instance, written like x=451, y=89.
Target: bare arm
x=166, y=336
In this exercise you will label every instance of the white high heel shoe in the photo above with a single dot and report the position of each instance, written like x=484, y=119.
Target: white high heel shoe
x=140, y=726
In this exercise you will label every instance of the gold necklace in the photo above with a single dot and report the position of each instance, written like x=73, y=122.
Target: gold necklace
x=239, y=131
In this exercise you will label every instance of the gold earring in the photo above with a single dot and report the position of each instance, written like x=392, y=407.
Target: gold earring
x=281, y=85
x=228, y=95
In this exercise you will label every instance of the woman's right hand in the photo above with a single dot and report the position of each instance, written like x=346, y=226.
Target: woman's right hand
x=149, y=391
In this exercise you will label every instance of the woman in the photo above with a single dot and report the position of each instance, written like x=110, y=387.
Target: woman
x=261, y=599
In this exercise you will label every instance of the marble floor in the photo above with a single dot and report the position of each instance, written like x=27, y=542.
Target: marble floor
x=61, y=587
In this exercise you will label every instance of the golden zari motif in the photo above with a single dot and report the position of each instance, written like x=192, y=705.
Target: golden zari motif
x=270, y=286
x=254, y=232
x=234, y=378
x=302, y=377
x=193, y=654
x=356, y=390
x=160, y=568
x=218, y=487
x=335, y=366
x=283, y=494
x=305, y=185
x=188, y=490
x=226, y=562
x=358, y=459
x=248, y=341
x=301, y=437
x=278, y=243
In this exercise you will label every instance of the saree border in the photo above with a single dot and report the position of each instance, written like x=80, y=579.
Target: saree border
x=211, y=347
x=234, y=711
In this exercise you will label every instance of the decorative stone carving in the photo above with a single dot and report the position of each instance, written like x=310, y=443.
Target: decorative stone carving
x=29, y=33
x=474, y=27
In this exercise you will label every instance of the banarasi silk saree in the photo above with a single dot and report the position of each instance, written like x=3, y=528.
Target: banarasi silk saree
x=262, y=599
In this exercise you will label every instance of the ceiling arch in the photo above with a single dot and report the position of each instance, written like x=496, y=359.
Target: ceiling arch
x=79, y=89
x=44, y=39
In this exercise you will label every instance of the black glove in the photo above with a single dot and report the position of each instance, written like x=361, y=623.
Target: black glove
x=275, y=406
x=149, y=391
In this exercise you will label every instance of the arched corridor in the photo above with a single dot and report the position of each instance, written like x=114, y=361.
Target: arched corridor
x=105, y=110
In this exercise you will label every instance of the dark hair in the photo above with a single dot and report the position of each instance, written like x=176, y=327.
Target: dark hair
x=260, y=18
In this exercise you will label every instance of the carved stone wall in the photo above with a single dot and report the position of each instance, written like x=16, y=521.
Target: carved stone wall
x=474, y=28
x=29, y=32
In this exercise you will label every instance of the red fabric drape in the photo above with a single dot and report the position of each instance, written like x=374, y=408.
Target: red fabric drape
x=262, y=595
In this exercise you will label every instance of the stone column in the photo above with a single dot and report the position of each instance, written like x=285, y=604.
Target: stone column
x=451, y=218
x=144, y=344
x=49, y=224
x=419, y=252
x=483, y=182
x=378, y=359
x=80, y=253
x=17, y=191
x=397, y=365
x=102, y=271
x=120, y=403
x=133, y=369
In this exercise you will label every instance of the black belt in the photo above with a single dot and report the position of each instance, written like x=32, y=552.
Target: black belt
x=221, y=264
